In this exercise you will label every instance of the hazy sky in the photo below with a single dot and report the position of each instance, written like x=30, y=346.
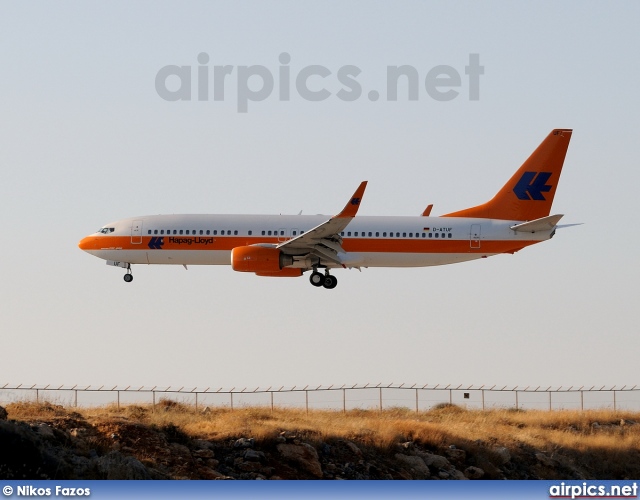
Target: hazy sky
x=85, y=139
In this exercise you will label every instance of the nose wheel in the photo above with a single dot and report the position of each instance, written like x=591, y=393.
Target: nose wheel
x=326, y=280
x=129, y=276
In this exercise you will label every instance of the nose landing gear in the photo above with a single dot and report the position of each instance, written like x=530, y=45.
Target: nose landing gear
x=129, y=276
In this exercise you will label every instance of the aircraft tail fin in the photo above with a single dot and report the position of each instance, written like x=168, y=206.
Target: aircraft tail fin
x=529, y=193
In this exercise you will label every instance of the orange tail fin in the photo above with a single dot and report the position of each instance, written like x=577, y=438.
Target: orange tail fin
x=529, y=193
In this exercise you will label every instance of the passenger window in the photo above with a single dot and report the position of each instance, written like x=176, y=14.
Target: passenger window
x=263, y=233
x=377, y=234
x=369, y=233
x=229, y=232
x=201, y=231
x=295, y=232
x=149, y=232
x=349, y=233
x=250, y=232
x=175, y=231
x=181, y=231
x=397, y=235
x=208, y=231
x=437, y=234
x=410, y=235
x=235, y=232
x=342, y=233
x=269, y=232
x=384, y=235
x=404, y=235
x=301, y=232
x=449, y=235
x=155, y=231
x=356, y=233
x=390, y=235
x=430, y=235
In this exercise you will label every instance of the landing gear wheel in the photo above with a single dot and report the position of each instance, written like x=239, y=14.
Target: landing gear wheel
x=330, y=282
x=128, y=277
x=317, y=279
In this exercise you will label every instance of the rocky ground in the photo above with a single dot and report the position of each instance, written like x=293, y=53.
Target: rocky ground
x=63, y=444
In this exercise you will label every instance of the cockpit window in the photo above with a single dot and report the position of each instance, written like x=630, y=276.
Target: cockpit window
x=106, y=230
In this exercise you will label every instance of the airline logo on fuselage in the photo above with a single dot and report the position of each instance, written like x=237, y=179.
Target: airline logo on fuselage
x=191, y=241
x=531, y=186
x=156, y=242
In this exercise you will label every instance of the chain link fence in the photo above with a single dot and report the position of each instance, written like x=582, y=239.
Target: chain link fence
x=341, y=398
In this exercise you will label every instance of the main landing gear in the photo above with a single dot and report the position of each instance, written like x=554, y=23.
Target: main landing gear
x=129, y=276
x=326, y=280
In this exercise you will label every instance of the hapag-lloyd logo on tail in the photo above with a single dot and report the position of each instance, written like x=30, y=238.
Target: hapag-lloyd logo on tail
x=531, y=186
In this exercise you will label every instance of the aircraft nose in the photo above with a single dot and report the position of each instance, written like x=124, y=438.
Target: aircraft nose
x=86, y=243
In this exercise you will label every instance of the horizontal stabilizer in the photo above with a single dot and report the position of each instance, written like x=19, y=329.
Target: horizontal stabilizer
x=544, y=224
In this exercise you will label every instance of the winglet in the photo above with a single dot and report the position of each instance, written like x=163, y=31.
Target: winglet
x=427, y=211
x=351, y=208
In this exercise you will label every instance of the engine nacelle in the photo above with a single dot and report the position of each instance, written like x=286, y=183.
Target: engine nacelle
x=266, y=261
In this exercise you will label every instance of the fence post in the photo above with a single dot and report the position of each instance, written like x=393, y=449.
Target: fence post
x=380, y=398
x=614, y=400
x=196, y=401
x=231, y=394
x=416, y=400
x=450, y=397
x=581, y=400
x=154, y=400
x=344, y=401
x=306, y=400
x=516, y=400
x=75, y=398
x=37, y=396
x=271, y=401
x=482, y=399
x=118, y=400
x=549, y=400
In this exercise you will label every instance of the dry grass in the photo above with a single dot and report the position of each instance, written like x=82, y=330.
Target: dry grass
x=603, y=435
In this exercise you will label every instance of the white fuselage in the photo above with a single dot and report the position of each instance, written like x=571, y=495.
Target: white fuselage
x=368, y=241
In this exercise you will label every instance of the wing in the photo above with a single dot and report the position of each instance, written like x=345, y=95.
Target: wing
x=324, y=241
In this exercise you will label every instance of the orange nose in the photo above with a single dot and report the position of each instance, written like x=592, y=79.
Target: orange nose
x=86, y=243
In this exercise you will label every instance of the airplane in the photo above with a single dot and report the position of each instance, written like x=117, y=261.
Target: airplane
x=290, y=245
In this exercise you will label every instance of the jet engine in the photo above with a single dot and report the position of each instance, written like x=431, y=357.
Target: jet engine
x=264, y=261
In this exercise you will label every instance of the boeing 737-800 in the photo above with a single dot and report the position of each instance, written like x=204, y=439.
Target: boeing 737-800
x=289, y=245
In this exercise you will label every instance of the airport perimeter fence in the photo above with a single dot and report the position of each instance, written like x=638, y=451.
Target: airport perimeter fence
x=340, y=398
